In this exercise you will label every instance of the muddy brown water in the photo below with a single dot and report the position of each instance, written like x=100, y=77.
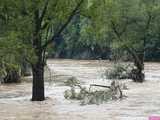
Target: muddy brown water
x=142, y=101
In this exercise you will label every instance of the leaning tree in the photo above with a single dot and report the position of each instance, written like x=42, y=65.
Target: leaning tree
x=130, y=23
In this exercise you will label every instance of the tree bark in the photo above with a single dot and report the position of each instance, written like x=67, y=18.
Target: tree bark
x=137, y=74
x=38, y=91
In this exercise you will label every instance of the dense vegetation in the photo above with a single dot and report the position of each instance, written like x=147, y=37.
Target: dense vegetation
x=88, y=29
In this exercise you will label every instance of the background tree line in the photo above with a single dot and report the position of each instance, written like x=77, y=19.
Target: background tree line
x=139, y=17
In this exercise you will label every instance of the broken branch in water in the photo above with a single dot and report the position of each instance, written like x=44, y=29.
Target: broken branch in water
x=100, y=86
x=92, y=97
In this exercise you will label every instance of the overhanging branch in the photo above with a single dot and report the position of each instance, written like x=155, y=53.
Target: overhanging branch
x=118, y=35
x=44, y=10
x=64, y=25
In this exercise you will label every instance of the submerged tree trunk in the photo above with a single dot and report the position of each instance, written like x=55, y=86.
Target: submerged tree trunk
x=137, y=74
x=38, y=81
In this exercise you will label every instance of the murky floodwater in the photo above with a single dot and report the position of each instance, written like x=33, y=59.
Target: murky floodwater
x=143, y=99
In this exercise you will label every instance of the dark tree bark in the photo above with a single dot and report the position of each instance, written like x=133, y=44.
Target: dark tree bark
x=38, y=90
x=38, y=82
x=137, y=74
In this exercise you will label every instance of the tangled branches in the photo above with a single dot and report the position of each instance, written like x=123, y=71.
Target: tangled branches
x=88, y=96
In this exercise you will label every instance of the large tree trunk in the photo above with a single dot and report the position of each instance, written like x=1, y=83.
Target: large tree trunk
x=38, y=92
x=137, y=74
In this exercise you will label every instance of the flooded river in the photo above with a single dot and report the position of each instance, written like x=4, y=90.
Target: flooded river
x=142, y=101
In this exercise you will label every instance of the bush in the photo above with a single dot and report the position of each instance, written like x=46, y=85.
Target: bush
x=9, y=73
x=119, y=71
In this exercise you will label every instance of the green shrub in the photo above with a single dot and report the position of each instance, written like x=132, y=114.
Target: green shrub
x=119, y=71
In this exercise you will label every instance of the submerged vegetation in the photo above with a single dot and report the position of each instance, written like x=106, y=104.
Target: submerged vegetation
x=119, y=71
x=90, y=95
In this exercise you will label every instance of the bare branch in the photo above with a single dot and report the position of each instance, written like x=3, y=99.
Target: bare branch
x=101, y=86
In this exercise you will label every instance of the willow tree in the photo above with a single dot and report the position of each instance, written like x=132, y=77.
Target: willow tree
x=130, y=23
x=38, y=24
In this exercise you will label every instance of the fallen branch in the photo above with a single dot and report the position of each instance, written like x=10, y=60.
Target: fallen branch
x=100, y=86
x=78, y=92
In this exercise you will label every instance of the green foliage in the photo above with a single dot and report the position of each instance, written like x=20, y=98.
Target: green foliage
x=135, y=21
x=18, y=22
x=129, y=24
x=92, y=27
x=99, y=25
